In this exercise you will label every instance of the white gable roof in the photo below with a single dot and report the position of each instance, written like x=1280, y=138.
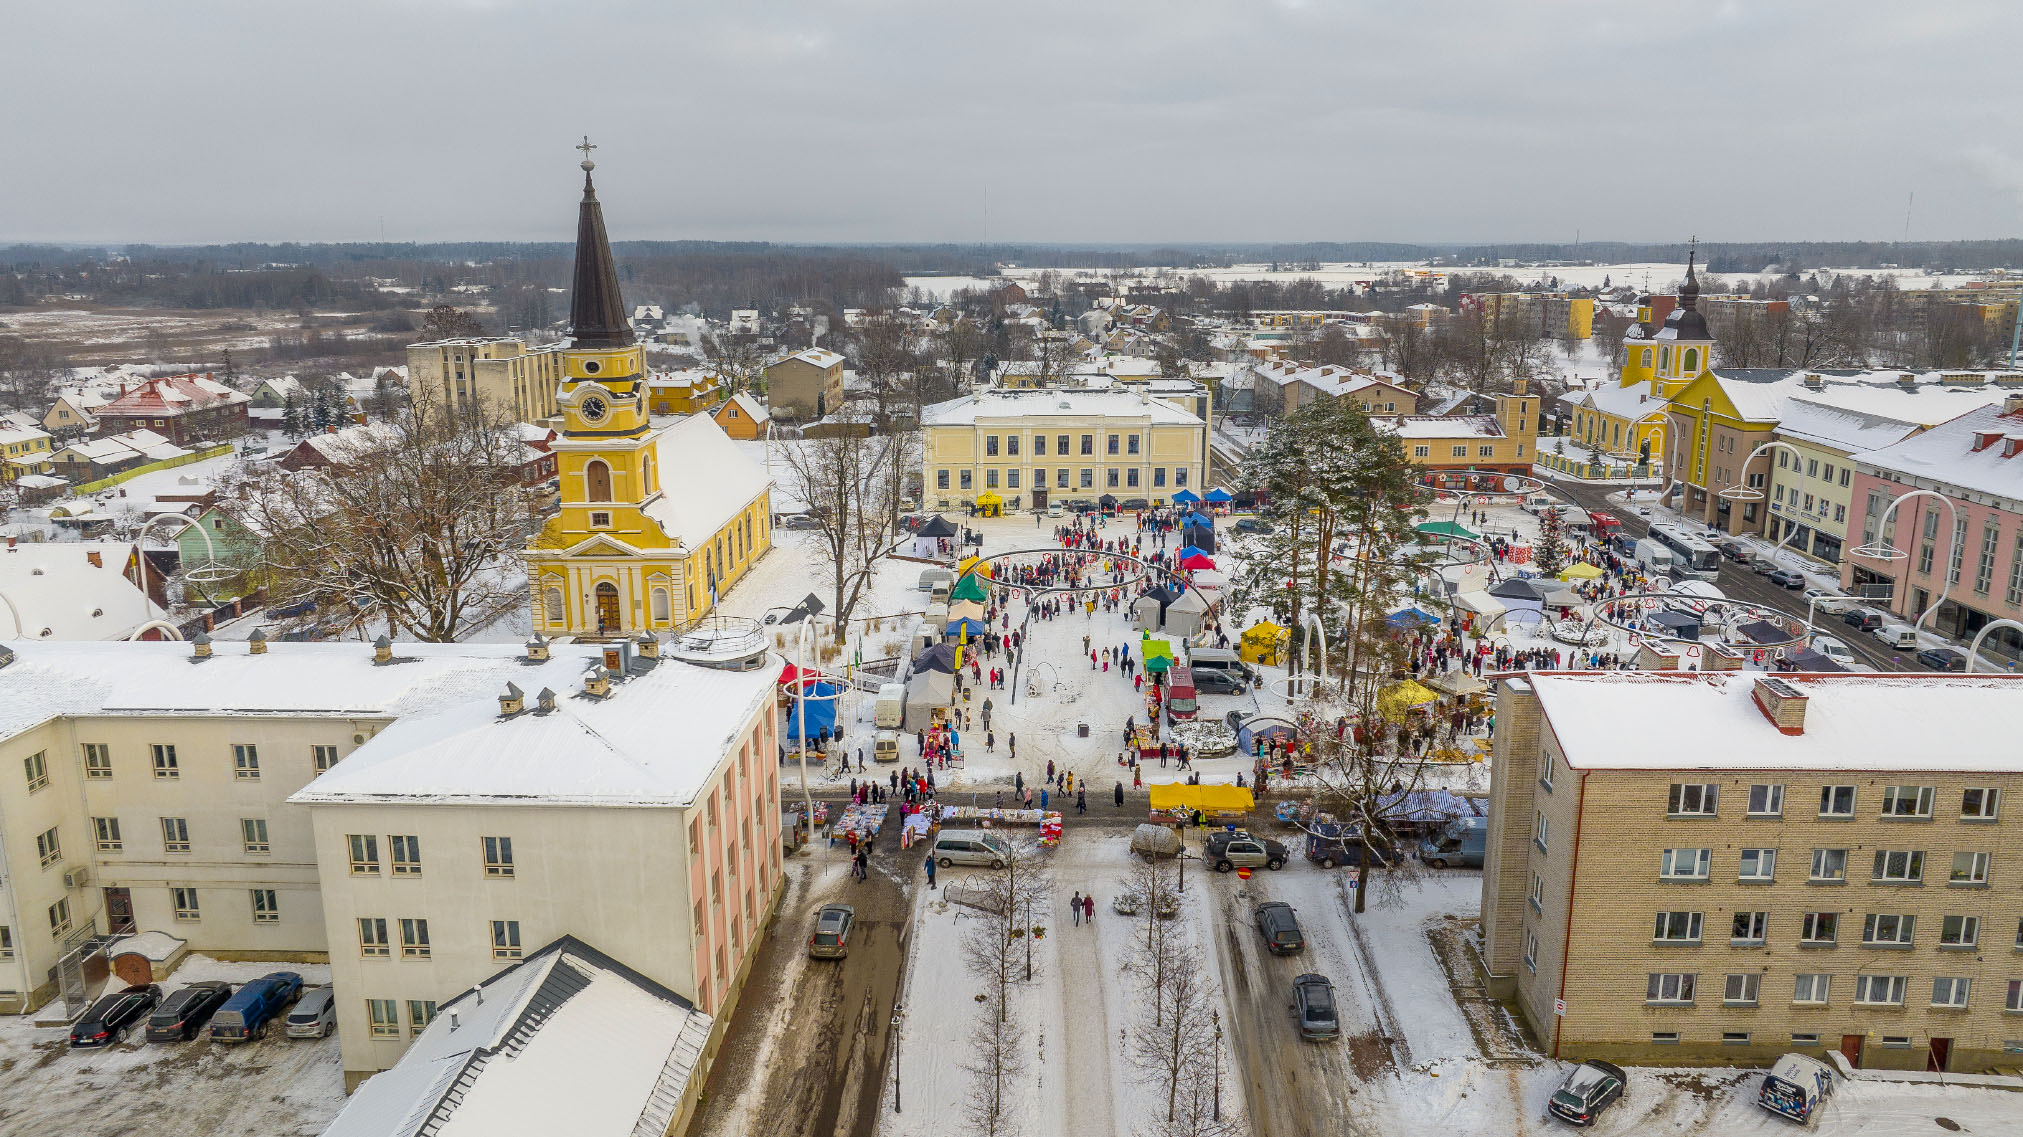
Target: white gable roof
x=705, y=480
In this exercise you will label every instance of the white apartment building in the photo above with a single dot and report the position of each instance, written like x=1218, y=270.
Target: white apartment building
x=391, y=809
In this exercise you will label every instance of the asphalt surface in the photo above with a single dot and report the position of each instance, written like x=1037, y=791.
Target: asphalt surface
x=1739, y=583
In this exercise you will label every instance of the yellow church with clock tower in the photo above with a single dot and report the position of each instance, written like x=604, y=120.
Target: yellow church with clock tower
x=658, y=518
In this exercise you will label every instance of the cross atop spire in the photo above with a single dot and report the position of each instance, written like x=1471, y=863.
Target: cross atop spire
x=1689, y=293
x=587, y=146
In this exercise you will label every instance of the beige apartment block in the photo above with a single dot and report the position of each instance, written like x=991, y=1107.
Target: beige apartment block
x=503, y=373
x=1723, y=868
x=1032, y=448
x=806, y=385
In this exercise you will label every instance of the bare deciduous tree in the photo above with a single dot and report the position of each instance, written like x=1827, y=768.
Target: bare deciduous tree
x=997, y=948
x=853, y=487
x=1176, y=1046
x=448, y=322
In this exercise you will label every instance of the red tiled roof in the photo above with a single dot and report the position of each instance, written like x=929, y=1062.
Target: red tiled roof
x=173, y=395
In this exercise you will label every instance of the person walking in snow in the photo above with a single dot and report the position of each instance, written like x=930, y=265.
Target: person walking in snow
x=1075, y=906
x=1089, y=909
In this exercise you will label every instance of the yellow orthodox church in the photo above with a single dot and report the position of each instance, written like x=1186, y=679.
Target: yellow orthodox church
x=658, y=518
x=1659, y=361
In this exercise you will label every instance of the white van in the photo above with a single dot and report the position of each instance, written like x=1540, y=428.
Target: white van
x=890, y=709
x=885, y=746
x=970, y=847
x=1900, y=636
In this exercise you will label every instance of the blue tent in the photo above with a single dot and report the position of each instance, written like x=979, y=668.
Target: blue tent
x=955, y=627
x=821, y=709
x=1427, y=807
x=1265, y=728
x=1219, y=496
x=1408, y=617
x=1190, y=551
x=1186, y=496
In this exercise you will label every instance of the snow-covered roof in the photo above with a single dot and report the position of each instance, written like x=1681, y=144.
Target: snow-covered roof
x=1808, y=421
x=748, y=406
x=818, y=356
x=1442, y=426
x=1633, y=403
x=1945, y=454
x=173, y=395
x=1928, y=398
x=56, y=593
x=568, y=1040
x=1922, y=723
x=686, y=377
x=1064, y=402
x=707, y=480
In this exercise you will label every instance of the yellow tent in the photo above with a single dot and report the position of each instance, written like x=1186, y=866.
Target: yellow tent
x=976, y=565
x=1262, y=643
x=989, y=504
x=1395, y=700
x=1579, y=571
x=1207, y=799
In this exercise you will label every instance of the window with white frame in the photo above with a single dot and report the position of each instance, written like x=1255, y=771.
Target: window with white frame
x=1766, y=801
x=414, y=943
x=1530, y=950
x=1749, y=929
x=1692, y=799
x=1811, y=988
x=1670, y=987
x=1907, y=801
x=1757, y=866
x=1880, y=990
x=372, y=941
x=1898, y=866
x=1741, y=988
x=245, y=761
x=1969, y=868
x=97, y=760
x=1980, y=803
x=1829, y=864
x=498, y=856
x=166, y=766
x=505, y=939
x=1541, y=832
x=364, y=853
x=1950, y=992
x=1537, y=893
x=266, y=906
x=1685, y=864
x=1676, y=928
x=184, y=900
x=1959, y=932
x=1836, y=801
x=420, y=1013
x=323, y=757
x=2013, y=1001
x=36, y=767
x=1819, y=929
x=406, y=850
x=1888, y=929
x=253, y=834
x=384, y=1015
x=175, y=835
x=106, y=830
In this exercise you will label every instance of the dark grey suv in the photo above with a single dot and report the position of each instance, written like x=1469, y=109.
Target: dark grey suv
x=1280, y=928
x=1313, y=1007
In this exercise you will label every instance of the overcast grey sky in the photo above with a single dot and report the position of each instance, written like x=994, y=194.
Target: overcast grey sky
x=205, y=120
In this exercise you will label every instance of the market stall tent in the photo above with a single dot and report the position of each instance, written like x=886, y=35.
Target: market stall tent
x=938, y=526
x=1395, y=700
x=820, y=712
x=965, y=610
x=1446, y=529
x=1579, y=571
x=1186, y=497
x=1197, y=561
x=970, y=587
x=1219, y=496
x=1262, y=643
x=1207, y=799
x=989, y=504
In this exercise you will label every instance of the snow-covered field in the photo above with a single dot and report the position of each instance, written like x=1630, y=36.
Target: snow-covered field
x=276, y=1087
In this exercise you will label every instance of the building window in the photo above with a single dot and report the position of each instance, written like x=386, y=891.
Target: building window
x=1949, y=992
x=1980, y=803
x=1180, y=476
x=1907, y=801
x=941, y=479
x=505, y=939
x=372, y=941
x=253, y=834
x=97, y=760
x=2014, y=1000
x=6, y=942
x=1040, y=445
x=990, y=445
x=165, y=762
x=1757, y=866
x=406, y=855
x=1011, y=479
x=420, y=1013
x=1130, y=444
x=498, y=856
x=1485, y=451
x=324, y=757
x=266, y=906
x=1460, y=451
x=1880, y=990
x=1959, y=931
x=1088, y=444
x=1158, y=476
x=1693, y=800
x=1819, y=928
x=59, y=917
x=1111, y=447
x=1766, y=801
x=385, y=1018
x=990, y=478
x=1984, y=569
x=1677, y=928
x=36, y=766
x=1131, y=477
x=184, y=900
x=1422, y=451
x=1537, y=893
x=1740, y=991
x=1672, y=987
x=1531, y=950
x=1749, y=929
x=413, y=938
x=1685, y=864
x=1811, y=988
x=364, y=854
x=1969, y=868
x=1088, y=478
x=245, y=760
x=1836, y=801
x=1888, y=929
x=1110, y=477
x=175, y=835
x=1898, y=866
x=1541, y=833
x=1061, y=449
x=966, y=479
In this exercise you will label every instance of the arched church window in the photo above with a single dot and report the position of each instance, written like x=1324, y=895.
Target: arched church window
x=660, y=614
x=551, y=603
x=1692, y=361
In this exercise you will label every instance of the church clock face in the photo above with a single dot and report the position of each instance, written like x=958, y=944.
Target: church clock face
x=593, y=409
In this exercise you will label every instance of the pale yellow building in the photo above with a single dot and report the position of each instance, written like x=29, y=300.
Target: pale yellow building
x=500, y=372
x=1691, y=868
x=1033, y=448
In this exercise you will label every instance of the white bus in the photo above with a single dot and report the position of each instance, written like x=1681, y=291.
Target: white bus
x=1691, y=556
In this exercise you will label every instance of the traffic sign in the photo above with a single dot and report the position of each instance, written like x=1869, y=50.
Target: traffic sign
x=1559, y=1007
x=1243, y=872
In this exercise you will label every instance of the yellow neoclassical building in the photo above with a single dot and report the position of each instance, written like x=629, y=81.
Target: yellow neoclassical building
x=657, y=518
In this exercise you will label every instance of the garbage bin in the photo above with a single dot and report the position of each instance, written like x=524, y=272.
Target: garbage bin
x=1081, y=730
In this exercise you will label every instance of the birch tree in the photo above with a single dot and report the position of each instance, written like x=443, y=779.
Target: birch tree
x=853, y=487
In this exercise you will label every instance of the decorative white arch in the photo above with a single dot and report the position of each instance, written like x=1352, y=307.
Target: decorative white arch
x=1974, y=649
x=1881, y=550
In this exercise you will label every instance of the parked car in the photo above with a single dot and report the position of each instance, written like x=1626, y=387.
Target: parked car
x=1834, y=650
x=1313, y=1007
x=1763, y=566
x=970, y=847
x=1903, y=637
x=1589, y=1088
x=1463, y=841
x=315, y=1014
x=1862, y=619
x=832, y=931
x=1826, y=599
x=106, y=1022
x=1226, y=851
x=180, y=1016
x=1942, y=659
x=1218, y=683
x=1280, y=928
x=1251, y=525
x=1788, y=578
x=247, y=1013
x=1329, y=844
x=1796, y=1086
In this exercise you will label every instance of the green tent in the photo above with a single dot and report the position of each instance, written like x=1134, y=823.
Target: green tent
x=1157, y=654
x=1447, y=529
x=969, y=588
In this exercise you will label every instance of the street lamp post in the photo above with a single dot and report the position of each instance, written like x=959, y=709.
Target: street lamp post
x=1974, y=650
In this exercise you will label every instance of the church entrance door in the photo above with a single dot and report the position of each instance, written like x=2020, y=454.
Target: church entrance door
x=607, y=608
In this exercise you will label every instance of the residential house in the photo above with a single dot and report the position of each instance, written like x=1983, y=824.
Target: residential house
x=742, y=417
x=75, y=411
x=684, y=391
x=1454, y=449
x=24, y=450
x=89, y=459
x=187, y=409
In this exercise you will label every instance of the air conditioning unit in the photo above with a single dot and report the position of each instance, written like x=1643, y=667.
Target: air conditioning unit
x=358, y=739
x=77, y=877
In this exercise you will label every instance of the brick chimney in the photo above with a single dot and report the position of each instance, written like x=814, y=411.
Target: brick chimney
x=1781, y=703
x=93, y=556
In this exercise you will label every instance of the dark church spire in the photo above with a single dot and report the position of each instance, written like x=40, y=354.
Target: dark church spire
x=596, y=310
x=1689, y=293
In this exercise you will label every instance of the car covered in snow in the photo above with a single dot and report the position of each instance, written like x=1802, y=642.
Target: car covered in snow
x=1588, y=1089
x=1280, y=928
x=1313, y=1007
x=1228, y=850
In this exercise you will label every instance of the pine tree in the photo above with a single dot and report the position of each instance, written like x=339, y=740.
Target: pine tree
x=1550, y=552
x=291, y=417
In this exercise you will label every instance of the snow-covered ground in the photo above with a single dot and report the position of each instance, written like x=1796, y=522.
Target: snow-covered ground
x=270, y=1088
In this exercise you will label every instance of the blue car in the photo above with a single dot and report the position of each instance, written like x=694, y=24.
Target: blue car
x=245, y=1015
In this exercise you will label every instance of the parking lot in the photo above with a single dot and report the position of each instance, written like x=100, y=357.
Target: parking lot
x=274, y=1087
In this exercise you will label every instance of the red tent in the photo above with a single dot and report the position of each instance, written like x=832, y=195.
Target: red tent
x=790, y=673
x=1198, y=561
